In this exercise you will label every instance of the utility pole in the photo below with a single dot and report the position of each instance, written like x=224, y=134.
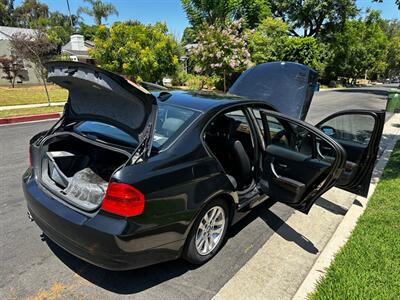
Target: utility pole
x=70, y=17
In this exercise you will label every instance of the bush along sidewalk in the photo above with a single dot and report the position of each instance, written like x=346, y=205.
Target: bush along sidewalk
x=368, y=266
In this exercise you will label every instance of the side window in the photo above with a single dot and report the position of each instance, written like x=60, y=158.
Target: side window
x=283, y=134
x=272, y=130
x=350, y=128
x=239, y=129
x=279, y=134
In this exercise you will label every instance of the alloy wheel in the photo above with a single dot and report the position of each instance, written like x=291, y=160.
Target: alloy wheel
x=210, y=230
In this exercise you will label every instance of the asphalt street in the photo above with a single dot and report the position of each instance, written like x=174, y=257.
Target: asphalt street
x=32, y=266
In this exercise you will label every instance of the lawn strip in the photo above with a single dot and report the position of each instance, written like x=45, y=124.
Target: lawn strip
x=368, y=266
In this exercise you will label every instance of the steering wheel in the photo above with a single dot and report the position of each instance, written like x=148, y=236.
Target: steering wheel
x=278, y=136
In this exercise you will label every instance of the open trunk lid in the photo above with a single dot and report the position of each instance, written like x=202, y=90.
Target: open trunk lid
x=286, y=86
x=99, y=95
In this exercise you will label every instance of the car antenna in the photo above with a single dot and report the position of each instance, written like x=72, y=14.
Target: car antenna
x=164, y=96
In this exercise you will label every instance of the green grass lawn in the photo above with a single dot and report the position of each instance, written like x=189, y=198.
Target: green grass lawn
x=31, y=95
x=30, y=111
x=368, y=266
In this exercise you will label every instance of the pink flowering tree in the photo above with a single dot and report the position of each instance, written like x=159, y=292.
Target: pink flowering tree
x=220, y=51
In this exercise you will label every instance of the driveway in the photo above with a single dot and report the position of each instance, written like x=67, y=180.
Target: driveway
x=32, y=266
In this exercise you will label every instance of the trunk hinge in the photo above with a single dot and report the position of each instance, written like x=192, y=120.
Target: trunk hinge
x=52, y=129
x=143, y=150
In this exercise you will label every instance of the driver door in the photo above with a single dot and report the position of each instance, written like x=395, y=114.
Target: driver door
x=359, y=132
x=292, y=170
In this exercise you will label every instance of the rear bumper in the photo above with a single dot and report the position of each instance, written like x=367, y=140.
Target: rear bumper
x=96, y=239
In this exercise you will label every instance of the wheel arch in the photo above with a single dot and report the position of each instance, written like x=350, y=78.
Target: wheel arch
x=228, y=197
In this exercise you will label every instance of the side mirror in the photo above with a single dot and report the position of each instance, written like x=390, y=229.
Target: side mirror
x=328, y=130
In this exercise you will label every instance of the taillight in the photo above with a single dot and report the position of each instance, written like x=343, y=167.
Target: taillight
x=123, y=199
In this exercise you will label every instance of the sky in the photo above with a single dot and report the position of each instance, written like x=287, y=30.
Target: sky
x=171, y=12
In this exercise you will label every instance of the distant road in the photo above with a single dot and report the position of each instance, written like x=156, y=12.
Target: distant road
x=330, y=101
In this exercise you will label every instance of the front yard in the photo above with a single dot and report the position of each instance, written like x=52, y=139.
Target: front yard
x=31, y=95
x=368, y=266
x=30, y=111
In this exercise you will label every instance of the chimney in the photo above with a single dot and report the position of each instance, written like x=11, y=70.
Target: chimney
x=78, y=42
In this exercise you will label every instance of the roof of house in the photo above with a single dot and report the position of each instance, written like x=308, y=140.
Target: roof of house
x=68, y=46
x=77, y=53
x=7, y=32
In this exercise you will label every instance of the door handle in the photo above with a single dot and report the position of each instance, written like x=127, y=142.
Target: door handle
x=281, y=165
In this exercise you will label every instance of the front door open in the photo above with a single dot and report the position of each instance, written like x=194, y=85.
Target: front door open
x=359, y=132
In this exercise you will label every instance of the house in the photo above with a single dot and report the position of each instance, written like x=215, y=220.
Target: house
x=77, y=49
x=27, y=75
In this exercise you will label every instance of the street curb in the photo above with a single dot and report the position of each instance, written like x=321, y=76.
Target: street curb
x=347, y=225
x=29, y=118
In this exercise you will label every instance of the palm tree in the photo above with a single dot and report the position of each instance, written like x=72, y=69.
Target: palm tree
x=99, y=10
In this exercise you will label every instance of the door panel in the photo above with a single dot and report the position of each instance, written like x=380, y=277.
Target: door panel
x=293, y=172
x=359, y=133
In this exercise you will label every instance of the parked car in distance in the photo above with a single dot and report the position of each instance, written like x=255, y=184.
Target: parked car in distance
x=128, y=178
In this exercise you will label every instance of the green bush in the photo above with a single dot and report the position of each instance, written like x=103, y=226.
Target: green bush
x=200, y=82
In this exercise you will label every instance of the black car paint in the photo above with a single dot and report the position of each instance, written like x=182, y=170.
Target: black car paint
x=177, y=183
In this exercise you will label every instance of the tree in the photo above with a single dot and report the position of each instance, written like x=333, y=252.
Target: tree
x=30, y=13
x=307, y=51
x=251, y=12
x=88, y=31
x=313, y=16
x=270, y=42
x=393, y=57
x=6, y=11
x=361, y=47
x=392, y=32
x=207, y=11
x=267, y=41
x=143, y=52
x=221, y=51
x=221, y=12
x=58, y=27
x=98, y=10
x=37, y=49
x=188, y=36
x=11, y=67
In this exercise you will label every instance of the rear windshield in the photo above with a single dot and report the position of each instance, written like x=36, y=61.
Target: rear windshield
x=171, y=121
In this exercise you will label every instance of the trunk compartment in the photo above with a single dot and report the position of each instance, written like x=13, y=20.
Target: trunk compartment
x=78, y=169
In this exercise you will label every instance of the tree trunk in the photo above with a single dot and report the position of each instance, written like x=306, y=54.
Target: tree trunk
x=224, y=81
x=13, y=82
x=47, y=92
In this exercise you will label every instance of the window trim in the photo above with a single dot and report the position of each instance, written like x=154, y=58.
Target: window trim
x=239, y=106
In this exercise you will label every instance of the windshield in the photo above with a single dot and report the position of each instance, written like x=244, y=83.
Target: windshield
x=171, y=121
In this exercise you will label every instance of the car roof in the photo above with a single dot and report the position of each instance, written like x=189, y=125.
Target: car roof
x=204, y=101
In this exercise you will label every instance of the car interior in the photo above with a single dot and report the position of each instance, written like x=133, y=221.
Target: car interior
x=290, y=168
x=353, y=132
x=230, y=139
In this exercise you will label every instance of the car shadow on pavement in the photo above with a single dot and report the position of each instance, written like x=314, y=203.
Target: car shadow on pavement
x=121, y=282
x=288, y=233
x=331, y=207
x=135, y=281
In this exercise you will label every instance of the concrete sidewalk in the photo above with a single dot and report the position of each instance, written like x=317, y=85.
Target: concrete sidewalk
x=31, y=105
x=281, y=266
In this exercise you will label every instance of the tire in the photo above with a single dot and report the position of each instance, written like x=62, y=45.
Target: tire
x=207, y=233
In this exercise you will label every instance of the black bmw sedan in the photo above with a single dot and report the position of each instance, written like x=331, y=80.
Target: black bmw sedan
x=128, y=178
